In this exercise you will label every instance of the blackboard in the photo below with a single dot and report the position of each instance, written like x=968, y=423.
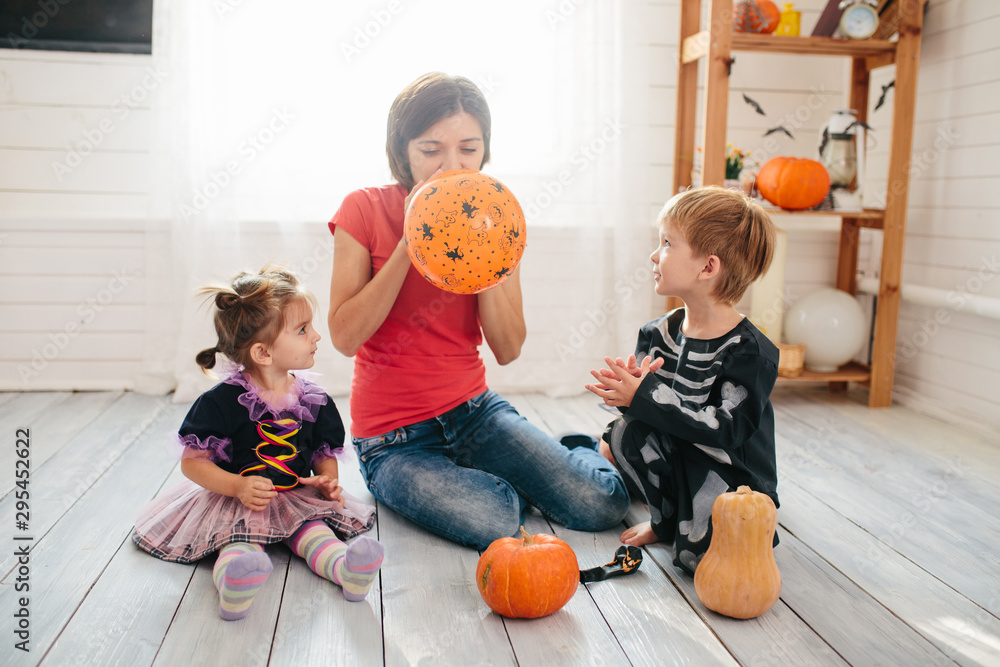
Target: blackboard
x=115, y=26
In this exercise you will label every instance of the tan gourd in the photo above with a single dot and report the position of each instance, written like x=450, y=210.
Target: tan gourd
x=738, y=576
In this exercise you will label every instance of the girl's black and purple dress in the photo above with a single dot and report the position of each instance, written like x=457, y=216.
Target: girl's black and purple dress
x=245, y=435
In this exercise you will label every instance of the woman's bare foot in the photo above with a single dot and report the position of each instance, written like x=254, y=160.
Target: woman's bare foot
x=639, y=535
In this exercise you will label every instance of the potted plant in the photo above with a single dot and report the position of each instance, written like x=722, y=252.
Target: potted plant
x=735, y=158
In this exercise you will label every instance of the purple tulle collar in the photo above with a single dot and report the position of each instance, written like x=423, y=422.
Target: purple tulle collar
x=302, y=403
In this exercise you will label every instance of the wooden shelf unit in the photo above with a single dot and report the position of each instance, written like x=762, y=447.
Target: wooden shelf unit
x=870, y=217
x=849, y=372
x=715, y=46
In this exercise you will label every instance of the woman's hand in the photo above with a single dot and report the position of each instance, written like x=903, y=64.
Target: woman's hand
x=360, y=299
x=328, y=486
x=255, y=492
x=417, y=186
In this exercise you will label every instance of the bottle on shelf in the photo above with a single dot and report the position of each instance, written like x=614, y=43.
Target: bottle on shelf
x=789, y=22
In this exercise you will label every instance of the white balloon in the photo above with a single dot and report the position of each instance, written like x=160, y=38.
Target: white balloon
x=831, y=324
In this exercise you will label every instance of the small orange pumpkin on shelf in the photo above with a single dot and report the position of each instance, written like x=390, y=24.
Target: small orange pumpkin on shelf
x=527, y=577
x=793, y=183
x=738, y=576
x=760, y=16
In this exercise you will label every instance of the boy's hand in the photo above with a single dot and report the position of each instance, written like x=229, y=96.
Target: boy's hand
x=618, y=383
x=255, y=492
x=635, y=369
x=326, y=485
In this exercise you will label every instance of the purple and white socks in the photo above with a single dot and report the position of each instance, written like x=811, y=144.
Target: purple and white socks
x=239, y=572
x=353, y=567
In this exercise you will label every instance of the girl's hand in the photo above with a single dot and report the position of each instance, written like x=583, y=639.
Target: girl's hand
x=255, y=492
x=326, y=485
x=617, y=384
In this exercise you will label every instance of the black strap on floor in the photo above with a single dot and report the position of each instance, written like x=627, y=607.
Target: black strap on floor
x=627, y=560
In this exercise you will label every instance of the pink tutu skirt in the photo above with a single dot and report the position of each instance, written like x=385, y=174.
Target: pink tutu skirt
x=187, y=522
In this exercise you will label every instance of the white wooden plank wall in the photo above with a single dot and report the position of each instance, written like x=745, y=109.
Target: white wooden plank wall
x=947, y=362
x=800, y=95
x=74, y=155
x=62, y=241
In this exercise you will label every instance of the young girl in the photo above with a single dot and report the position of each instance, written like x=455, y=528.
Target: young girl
x=260, y=452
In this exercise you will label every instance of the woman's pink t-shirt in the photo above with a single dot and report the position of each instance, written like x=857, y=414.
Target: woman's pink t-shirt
x=424, y=359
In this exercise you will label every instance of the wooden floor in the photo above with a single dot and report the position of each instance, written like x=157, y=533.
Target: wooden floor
x=890, y=555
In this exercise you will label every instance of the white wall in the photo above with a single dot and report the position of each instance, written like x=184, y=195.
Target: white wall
x=948, y=363
x=72, y=250
x=72, y=239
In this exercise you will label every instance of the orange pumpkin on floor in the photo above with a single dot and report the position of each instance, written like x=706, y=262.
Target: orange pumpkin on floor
x=738, y=576
x=760, y=16
x=793, y=183
x=527, y=577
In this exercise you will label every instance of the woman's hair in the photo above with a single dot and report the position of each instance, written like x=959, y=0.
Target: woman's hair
x=423, y=103
x=730, y=225
x=250, y=310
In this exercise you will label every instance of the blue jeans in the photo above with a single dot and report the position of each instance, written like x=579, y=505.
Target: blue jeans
x=469, y=474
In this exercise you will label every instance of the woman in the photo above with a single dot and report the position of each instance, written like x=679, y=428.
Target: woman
x=436, y=444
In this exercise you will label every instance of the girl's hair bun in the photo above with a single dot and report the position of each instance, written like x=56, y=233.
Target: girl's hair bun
x=249, y=310
x=206, y=358
x=225, y=300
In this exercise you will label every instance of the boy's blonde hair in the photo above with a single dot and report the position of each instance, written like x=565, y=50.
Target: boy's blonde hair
x=727, y=224
x=250, y=310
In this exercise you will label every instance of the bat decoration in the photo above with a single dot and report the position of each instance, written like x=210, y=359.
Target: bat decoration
x=468, y=209
x=847, y=130
x=885, y=91
x=753, y=103
x=779, y=128
x=627, y=560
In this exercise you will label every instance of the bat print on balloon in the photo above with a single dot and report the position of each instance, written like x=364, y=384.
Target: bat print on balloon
x=464, y=231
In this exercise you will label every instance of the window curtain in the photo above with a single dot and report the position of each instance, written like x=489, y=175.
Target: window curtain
x=268, y=114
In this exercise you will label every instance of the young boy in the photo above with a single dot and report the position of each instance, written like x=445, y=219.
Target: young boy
x=697, y=417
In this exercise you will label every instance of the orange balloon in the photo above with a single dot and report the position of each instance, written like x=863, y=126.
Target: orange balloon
x=464, y=231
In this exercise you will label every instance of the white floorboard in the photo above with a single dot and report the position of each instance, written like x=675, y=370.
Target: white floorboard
x=889, y=555
x=580, y=636
x=645, y=608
